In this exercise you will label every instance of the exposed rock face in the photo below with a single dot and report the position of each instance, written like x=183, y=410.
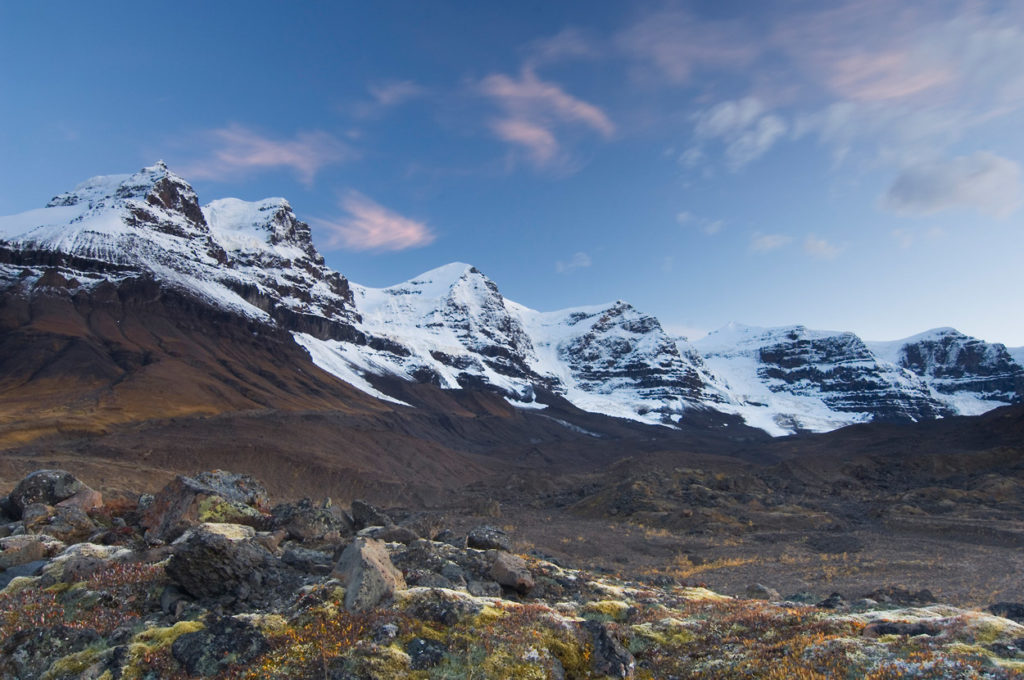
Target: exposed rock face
x=610, y=658
x=511, y=571
x=366, y=515
x=18, y=550
x=305, y=522
x=957, y=364
x=489, y=538
x=368, y=574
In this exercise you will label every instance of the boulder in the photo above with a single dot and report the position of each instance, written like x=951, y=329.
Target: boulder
x=210, y=564
x=185, y=502
x=85, y=500
x=365, y=515
x=511, y=571
x=65, y=523
x=390, y=534
x=758, y=591
x=44, y=486
x=487, y=537
x=28, y=653
x=610, y=658
x=880, y=628
x=366, y=571
x=425, y=653
x=235, y=487
x=1009, y=610
x=306, y=522
x=224, y=642
x=17, y=550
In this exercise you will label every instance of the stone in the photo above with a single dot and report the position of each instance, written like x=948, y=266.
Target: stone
x=65, y=523
x=425, y=524
x=880, y=628
x=18, y=550
x=27, y=569
x=369, y=577
x=833, y=601
x=487, y=537
x=1008, y=610
x=390, y=534
x=271, y=540
x=85, y=500
x=235, y=487
x=484, y=588
x=610, y=658
x=511, y=571
x=224, y=642
x=365, y=515
x=44, y=486
x=425, y=653
x=185, y=502
x=305, y=522
x=758, y=591
x=309, y=561
x=208, y=564
x=28, y=653
x=901, y=596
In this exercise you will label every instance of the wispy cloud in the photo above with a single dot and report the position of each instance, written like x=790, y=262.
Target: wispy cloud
x=579, y=260
x=237, y=149
x=706, y=225
x=821, y=248
x=984, y=181
x=387, y=95
x=764, y=243
x=675, y=44
x=535, y=111
x=370, y=226
x=743, y=127
x=570, y=43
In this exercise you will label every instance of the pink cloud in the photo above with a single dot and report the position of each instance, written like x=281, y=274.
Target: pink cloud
x=539, y=142
x=370, y=226
x=239, y=149
x=532, y=98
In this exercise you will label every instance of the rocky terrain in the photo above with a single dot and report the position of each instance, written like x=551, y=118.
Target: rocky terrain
x=210, y=577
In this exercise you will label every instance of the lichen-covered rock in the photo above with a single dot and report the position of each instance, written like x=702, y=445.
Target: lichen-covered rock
x=44, y=486
x=390, y=534
x=186, y=501
x=425, y=653
x=366, y=515
x=368, y=575
x=235, y=487
x=511, y=571
x=17, y=550
x=65, y=523
x=209, y=564
x=610, y=658
x=28, y=653
x=85, y=500
x=224, y=642
x=759, y=591
x=306, y=522
x=487, y=537
x=1008, y=610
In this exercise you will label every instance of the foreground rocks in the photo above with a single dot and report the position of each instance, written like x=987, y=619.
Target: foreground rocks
x=204, y=580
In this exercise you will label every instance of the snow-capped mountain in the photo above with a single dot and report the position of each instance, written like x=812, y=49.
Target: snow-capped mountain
x=452, y=327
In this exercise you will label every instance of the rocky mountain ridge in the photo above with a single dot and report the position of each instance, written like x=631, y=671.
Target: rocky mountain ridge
x=453, y=328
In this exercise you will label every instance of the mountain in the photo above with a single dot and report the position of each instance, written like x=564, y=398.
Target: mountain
x=127, y=281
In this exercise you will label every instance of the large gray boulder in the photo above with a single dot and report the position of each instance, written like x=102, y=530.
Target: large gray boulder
x=211, y=562
x=208, y=497
x=369, y=577
x=511, y=571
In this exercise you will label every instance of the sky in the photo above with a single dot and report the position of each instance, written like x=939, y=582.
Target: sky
x=851, y=165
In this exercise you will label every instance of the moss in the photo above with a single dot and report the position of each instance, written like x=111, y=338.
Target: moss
x=73, y=664
x=377, y=662
x=18, y=584
x=667, y=634
x=502, y=665
x=151, y=641
x=611, y=610
x=218, y=510
x=989, y=630
x=268, y=624
x=702, y=594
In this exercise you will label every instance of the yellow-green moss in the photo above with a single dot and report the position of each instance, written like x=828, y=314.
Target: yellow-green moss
x=668, y=634
x=218, y=510
x=72, y=664
x=154, y=640
x=268, y=624
x=616, y=610
x=701, y=594
x=18, y=584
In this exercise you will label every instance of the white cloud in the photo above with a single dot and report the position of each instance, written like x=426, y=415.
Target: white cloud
x=370, y=226
x=706, y=225
x=984, y=181
x=387, y=95
x=238, y=149
x=579, y=260
x=821, y=248
x=763, y=243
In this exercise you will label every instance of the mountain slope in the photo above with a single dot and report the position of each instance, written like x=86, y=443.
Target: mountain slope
x=144, y=239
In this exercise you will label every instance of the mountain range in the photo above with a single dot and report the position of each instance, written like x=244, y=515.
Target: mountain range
x=250, y=272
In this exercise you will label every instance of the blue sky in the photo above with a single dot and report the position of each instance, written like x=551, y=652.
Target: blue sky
x=852, y=165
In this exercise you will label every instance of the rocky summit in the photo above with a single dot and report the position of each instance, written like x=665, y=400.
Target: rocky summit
x=208, y=579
